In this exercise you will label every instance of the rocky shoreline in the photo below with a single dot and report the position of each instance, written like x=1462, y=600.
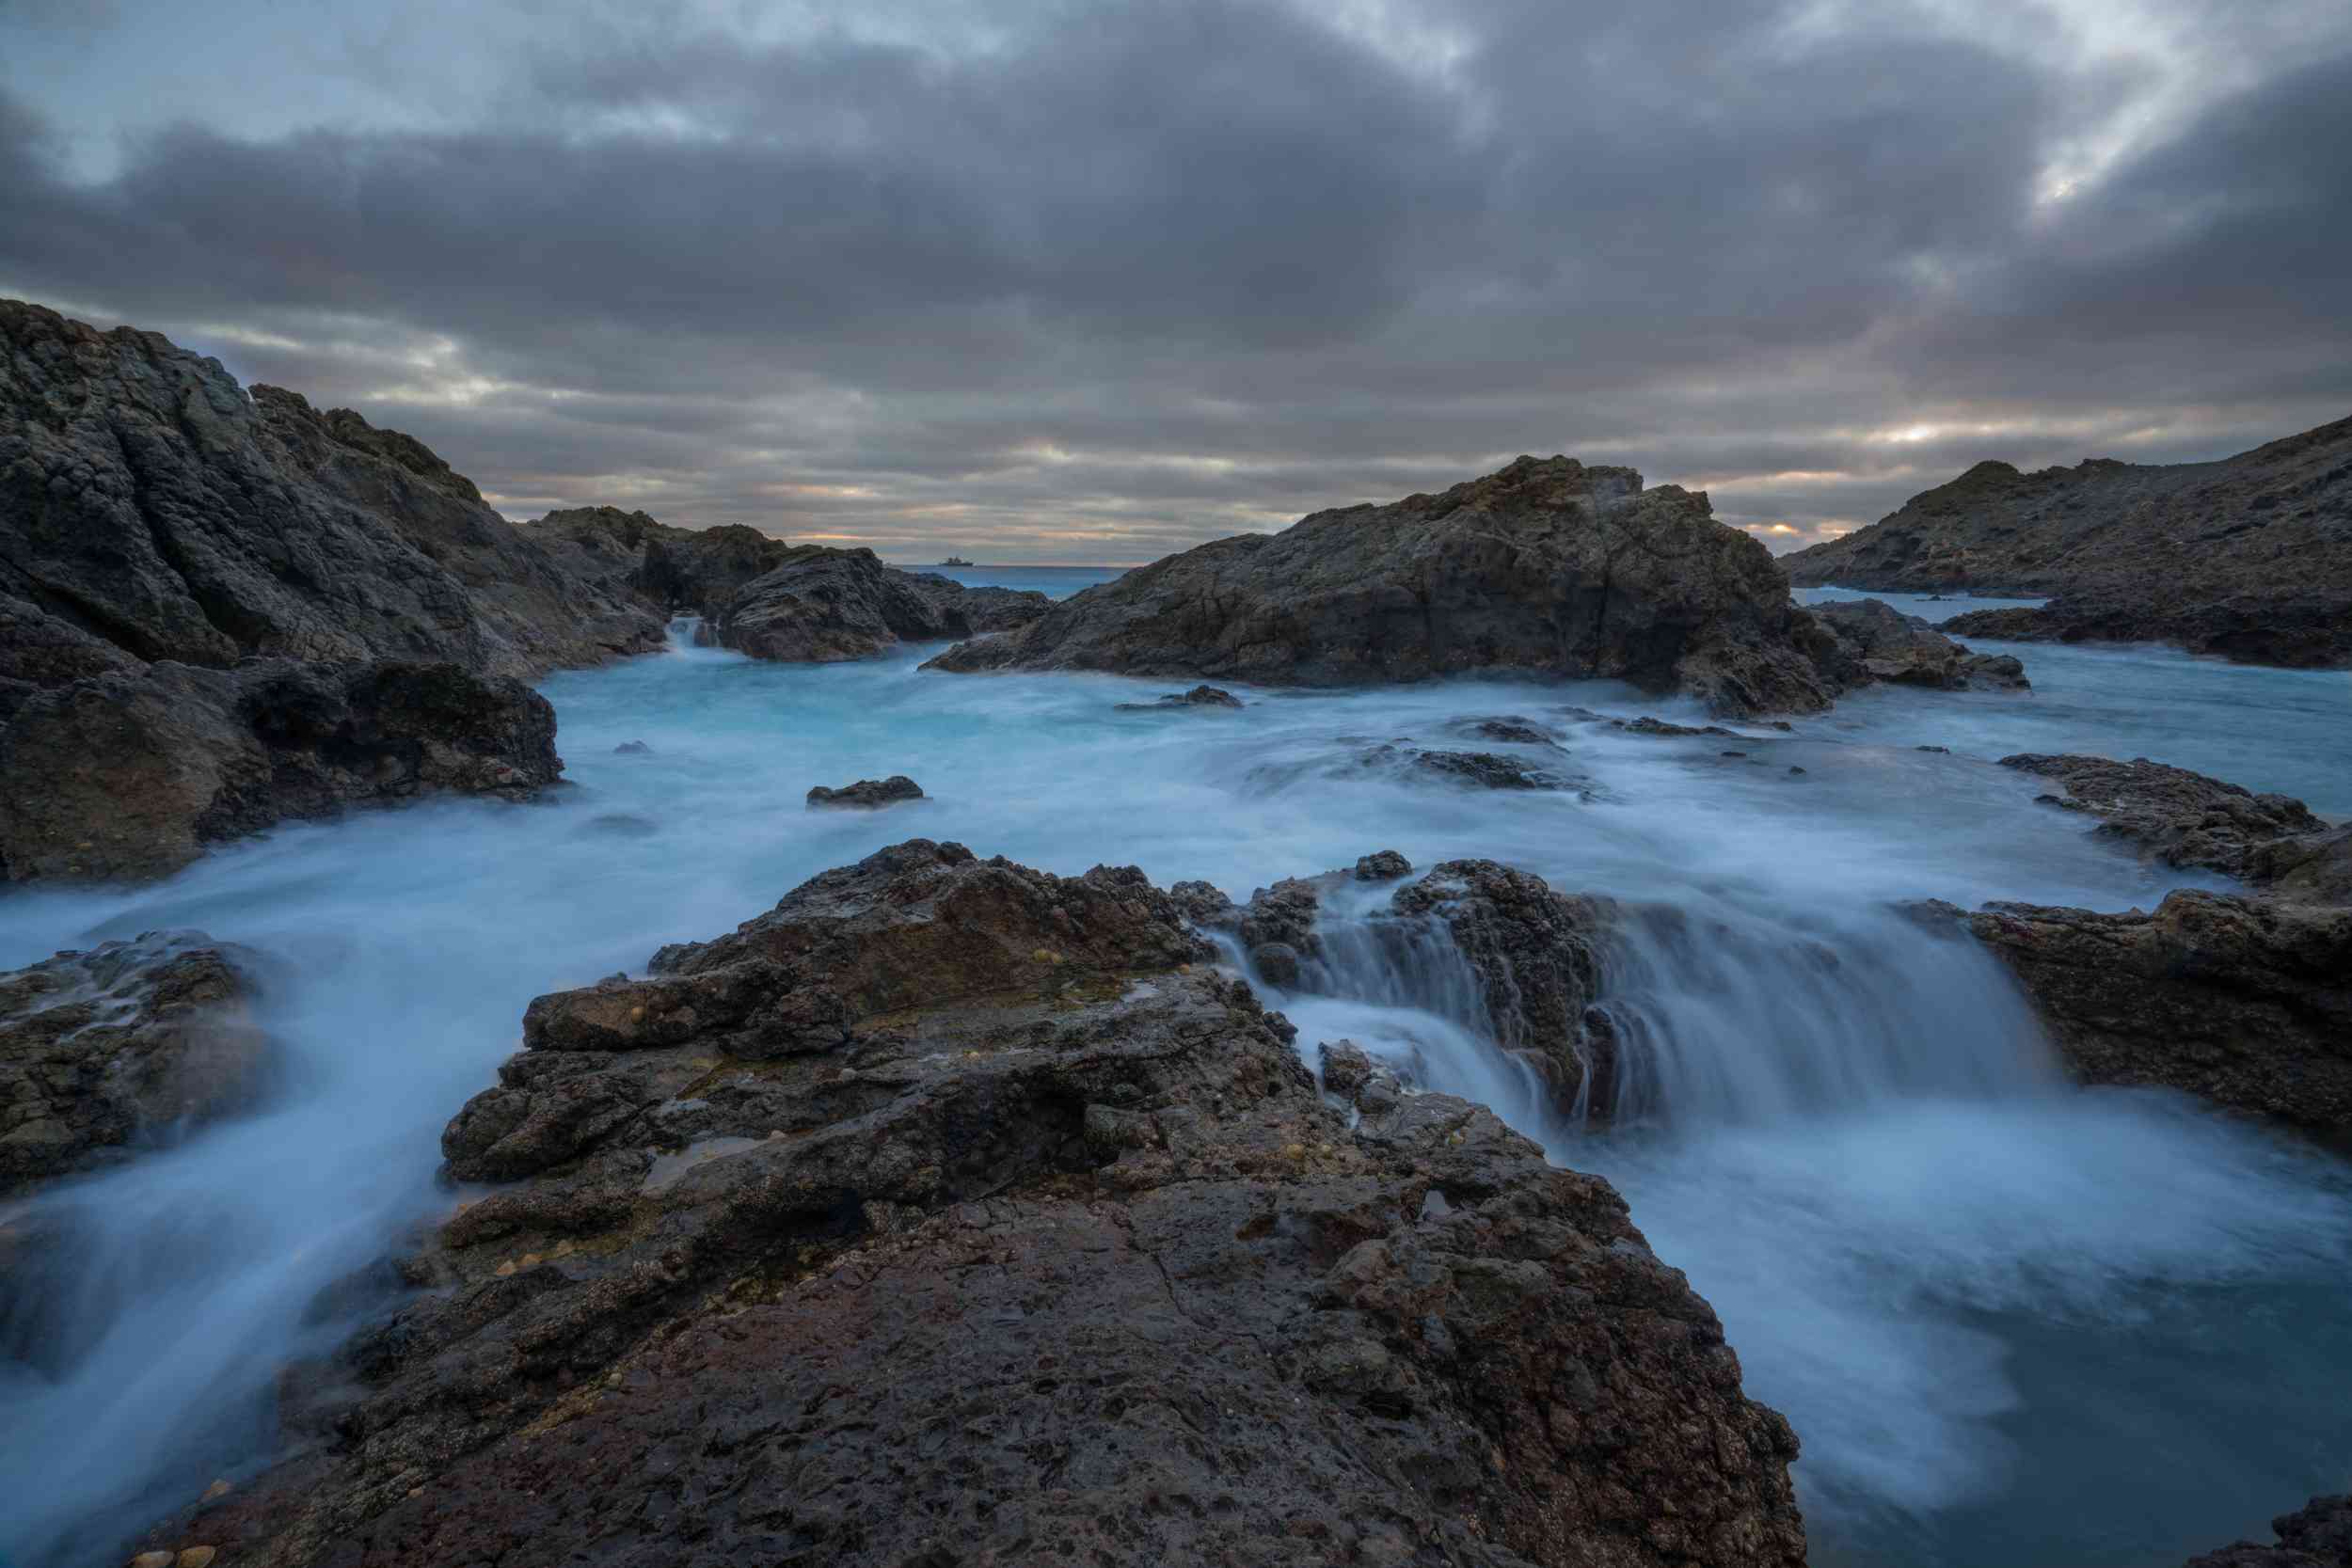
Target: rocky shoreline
x=2249, y=558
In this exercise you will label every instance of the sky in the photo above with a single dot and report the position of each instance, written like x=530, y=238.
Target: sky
x=1080, y=282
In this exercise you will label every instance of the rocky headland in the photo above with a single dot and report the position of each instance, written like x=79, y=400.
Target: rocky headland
x=2248, y=556
x=954, y=1212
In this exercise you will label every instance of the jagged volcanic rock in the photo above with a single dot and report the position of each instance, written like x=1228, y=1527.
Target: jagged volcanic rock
x=150, y=510
x=2317, y=1535
x=1546, y=567
x=868, y=794
x=1045, y=1243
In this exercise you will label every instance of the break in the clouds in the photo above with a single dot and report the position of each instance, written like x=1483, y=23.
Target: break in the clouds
x=1093, y=282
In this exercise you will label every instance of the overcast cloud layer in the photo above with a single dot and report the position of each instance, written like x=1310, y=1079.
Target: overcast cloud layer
x=1082, y=282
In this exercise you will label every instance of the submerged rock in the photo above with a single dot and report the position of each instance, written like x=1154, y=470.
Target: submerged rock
x=2244, y=1002
x=1646, y=725
x=1048, y=1233
x=1200, y=696
x=1509, y=730
x=868, y=794
x=2179, y=817
x=133, y=775
x=1546, y=567
x=127, y=1042
x=1875, y=642
x=632, y=749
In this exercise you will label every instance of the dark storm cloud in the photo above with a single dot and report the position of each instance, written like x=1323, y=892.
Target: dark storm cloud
x=1110, y=280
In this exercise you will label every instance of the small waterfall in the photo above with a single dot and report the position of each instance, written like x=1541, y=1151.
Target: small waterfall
x=688, y=633
x=1734, y=1017
x=1717, y=1015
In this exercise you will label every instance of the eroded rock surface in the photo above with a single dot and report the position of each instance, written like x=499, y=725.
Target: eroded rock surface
x=1546, y=567
x=1044, y=1244
x=2245, y=1002
x=2179, y=817
x=128, y=1041
x=134, y=774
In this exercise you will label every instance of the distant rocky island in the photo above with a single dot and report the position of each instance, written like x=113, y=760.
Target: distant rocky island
x=2249, y=558
x=955, y=560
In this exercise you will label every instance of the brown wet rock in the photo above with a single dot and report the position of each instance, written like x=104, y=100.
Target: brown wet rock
x=2243, y=1002
x=134, y=775
x=1878, y=642
x=1074, y=1257
x=124, y=1043
x=2178, y=817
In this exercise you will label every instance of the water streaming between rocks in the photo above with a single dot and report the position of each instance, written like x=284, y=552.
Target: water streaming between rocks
x=2014, y=1322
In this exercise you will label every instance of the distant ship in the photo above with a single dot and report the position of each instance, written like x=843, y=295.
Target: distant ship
x=955, y=560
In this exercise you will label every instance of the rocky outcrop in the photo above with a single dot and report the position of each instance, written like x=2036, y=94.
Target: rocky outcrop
x=826, y=605
x=1878, y=642
x=132, y=775
x=1546, y=567
x=1536, y=954
x=2181, y=818
x=1048, y=1245
x=867, y=794
x=775, y=600
x=126, y=1043
x=152, y=510
x=2244, y=1002
x=2250, y=557
x=2317, y=1535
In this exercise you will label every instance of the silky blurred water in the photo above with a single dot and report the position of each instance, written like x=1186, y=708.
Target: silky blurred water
x=2015, y=1323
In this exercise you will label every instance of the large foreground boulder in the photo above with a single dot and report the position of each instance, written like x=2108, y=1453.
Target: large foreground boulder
x=2244, y=1002
x=133, y=775
x=1546, y=567
x=126, y=1043
x=1043, y=1245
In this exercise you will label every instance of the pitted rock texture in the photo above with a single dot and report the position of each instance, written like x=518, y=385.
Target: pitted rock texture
x=133, y=775
x=1080, y=1263
x=2181, y=818
x=2244, y=1002
x=126, y=1043
x=1546, y=567
x=2250, y=557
